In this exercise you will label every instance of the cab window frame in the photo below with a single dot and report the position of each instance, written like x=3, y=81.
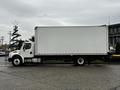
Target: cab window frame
x=27, y=46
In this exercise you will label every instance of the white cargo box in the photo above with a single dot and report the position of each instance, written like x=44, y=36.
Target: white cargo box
x=71, y=40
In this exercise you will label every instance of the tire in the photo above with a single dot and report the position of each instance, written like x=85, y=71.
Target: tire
x=80, y=61
x=17, y=61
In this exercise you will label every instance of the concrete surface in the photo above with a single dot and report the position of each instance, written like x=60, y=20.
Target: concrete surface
x=59, y=77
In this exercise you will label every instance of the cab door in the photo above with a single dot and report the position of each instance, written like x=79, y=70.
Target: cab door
x=27, y=50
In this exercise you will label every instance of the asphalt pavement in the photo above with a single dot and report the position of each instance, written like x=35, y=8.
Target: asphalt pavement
x=59, y=77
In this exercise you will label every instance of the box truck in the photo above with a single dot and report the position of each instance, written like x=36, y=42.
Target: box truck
x=78, y=43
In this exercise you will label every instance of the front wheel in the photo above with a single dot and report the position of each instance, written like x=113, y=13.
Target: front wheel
x=17, y=61
x=80, y=61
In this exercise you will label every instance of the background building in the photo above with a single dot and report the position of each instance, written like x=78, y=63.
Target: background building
x=114, y=34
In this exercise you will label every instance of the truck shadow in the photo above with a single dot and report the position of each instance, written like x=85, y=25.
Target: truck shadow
x=61, y=65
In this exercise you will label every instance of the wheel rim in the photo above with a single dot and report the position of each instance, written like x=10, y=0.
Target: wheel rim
x=16, y=61
x=80, y=61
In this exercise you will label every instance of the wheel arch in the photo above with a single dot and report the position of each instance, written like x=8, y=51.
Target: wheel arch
x=80, y=60
x=17, y=55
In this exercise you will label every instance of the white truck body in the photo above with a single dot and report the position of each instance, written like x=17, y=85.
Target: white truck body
x=71, y=40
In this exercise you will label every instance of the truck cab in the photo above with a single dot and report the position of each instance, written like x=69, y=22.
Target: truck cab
x=17, y=57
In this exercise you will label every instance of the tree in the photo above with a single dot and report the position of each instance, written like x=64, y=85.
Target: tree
x=4, y=46
x=14, y=39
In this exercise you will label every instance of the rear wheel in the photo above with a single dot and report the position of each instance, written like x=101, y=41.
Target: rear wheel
x=17, y=61
x=80, y=61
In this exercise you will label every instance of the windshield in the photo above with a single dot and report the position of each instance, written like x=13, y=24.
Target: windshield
x=20, y=45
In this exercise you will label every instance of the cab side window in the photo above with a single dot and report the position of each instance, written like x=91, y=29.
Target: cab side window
x=27, y=46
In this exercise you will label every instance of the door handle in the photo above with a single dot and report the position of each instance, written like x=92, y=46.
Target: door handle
x=30, y=52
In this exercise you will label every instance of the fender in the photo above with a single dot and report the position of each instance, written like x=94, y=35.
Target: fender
x=19, y=56
x=12, y=54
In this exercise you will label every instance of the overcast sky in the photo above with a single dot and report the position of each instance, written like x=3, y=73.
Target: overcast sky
x=30, y=13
